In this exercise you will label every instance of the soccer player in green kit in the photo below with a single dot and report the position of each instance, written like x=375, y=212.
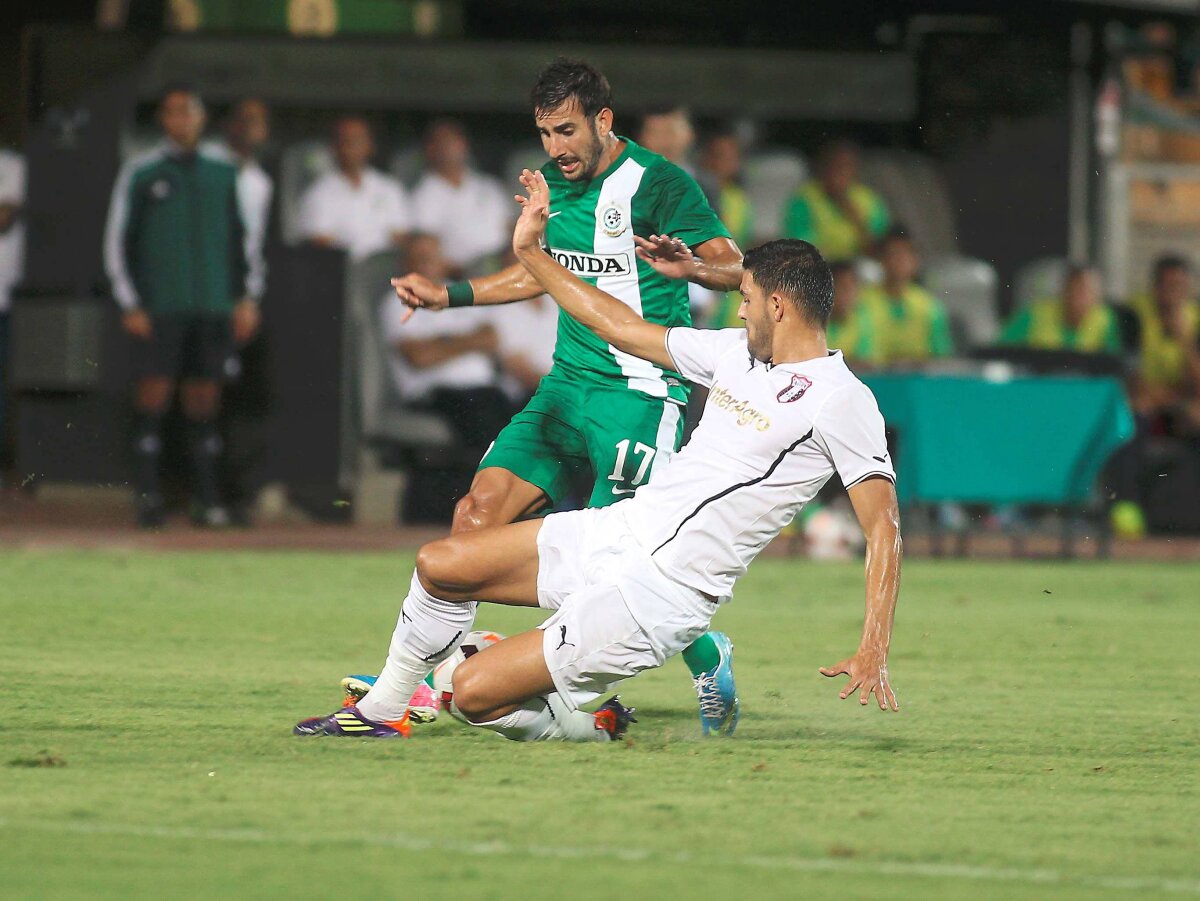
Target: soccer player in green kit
x=638, y=227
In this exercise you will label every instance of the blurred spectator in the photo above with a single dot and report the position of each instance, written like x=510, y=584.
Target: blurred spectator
x=669, y=131
x=1166, y=387
x=527, y=333
x=850, y=329
x=247, y=130
x=446, y=362
x=12, y=255
x=719, y=174
x=468, y=212
x=175, y=251
x=1078, y=321
x=909, y=325
x=834, y=211
x=355, y=207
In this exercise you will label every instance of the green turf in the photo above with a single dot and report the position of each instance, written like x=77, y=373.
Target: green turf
x=1048, y=745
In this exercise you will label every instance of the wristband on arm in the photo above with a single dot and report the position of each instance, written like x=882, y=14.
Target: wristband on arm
x=460, y=294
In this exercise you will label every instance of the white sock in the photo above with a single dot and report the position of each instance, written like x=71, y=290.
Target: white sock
x=547, y=719
x=427, y=632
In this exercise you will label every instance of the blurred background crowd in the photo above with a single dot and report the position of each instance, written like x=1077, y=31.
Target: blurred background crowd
x=1010, y=202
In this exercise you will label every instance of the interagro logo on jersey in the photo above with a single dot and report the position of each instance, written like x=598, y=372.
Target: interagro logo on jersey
x=720, y=398
x=795, y=390
x=591, y=265
x=612, y=220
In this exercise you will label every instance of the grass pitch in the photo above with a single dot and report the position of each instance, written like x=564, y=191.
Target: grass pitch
x=1048, y=744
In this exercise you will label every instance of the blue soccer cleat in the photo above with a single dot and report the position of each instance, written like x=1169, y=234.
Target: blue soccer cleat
x=717, y=692
x=349, y=723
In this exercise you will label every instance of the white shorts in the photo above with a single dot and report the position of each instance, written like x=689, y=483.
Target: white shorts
x=616, y=613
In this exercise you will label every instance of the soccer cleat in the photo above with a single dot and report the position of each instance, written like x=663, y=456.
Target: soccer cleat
x=349, y=723
x=423, y=707
x=717, y=692
x=614, y=717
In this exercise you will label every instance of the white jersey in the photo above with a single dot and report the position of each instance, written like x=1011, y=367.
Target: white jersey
x=770, y=437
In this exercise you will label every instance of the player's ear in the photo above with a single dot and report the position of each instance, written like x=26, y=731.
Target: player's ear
x=777, y=303
x=604, y=121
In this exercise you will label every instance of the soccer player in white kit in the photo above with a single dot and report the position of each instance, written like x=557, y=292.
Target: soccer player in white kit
x=633, y=584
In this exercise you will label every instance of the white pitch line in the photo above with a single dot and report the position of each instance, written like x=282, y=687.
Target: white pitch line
x=400, y=841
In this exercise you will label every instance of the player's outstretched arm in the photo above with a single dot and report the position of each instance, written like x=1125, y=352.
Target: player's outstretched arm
x=610, y=319
x=874, y=501
x=510, y=284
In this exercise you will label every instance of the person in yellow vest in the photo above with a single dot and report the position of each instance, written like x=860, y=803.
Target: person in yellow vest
x=849, y=329
x=909, y=324
x=719, y=174
x=1078, y=321
x=1165, y=389
x=841, y=216
x=1168, y=377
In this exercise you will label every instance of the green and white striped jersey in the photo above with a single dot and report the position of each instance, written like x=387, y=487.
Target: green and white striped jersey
x=590, y=232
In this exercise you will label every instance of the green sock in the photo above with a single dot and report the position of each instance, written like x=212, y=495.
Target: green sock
x=702, y=654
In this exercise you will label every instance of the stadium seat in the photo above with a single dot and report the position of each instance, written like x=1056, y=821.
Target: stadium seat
x=968, y=289
x=1037, y=280
x=407, y=164
x=772, y=176
x=385, y=421
x=299, y=166
x=869, y=271
x=916, y=195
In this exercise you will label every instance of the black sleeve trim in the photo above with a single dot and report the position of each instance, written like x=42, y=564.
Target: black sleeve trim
x=887, y=475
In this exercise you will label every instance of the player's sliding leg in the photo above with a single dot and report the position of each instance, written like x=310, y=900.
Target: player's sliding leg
x=508, y=688
x=497, y=497
x=500, y=565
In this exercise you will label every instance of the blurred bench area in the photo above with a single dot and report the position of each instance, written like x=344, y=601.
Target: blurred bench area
x=1011, y=199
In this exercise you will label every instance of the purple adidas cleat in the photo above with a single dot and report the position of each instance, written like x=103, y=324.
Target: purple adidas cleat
x=349, y=723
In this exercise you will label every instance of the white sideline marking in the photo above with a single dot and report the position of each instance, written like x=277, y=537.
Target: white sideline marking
x=399, y=841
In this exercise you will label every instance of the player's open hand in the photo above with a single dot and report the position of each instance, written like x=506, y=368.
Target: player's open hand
x=137, y=323
x=419, y=293
x=535, y=213
x=666, y=255
x=868, y=675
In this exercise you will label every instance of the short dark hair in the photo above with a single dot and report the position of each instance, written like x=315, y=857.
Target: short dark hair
x=179, y=87
x=1076, y=269
x=796, y=270
x=566, y=79
x=1170, y=261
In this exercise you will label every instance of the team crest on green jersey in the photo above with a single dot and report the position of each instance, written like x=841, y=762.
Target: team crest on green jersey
x=613, y=220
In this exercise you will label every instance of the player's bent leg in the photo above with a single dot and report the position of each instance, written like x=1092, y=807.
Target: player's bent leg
x=508, y=689
x=497, y=497
x=498, y=565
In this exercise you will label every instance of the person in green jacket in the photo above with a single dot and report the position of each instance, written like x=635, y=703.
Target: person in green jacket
x=909, y=324
x=840, y=215
x=1078, y=321
x=176, y=255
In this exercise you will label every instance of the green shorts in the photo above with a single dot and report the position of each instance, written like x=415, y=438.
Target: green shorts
x=571, y=426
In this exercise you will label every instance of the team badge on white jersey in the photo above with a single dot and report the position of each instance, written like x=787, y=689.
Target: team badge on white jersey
x=795, y=390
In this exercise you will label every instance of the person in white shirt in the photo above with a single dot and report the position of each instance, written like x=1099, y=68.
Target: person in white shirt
x=527, y=333
x=469, y=212
x=355, y=207
x=634, y=583
x=12, y=252
x=446, y=364
x=247, y=130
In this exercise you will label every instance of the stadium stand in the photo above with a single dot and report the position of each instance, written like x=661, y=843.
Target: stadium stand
x=967, y=287
x=772, y=176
